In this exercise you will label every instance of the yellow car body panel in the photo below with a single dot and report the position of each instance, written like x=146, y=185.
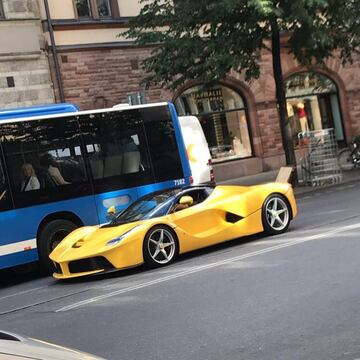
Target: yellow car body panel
x=196, y=227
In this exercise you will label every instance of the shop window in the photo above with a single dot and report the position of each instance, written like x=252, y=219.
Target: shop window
x=313, y=104
x=96, y=8
x=222, y=114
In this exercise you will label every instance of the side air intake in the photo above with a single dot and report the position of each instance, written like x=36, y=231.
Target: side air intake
x=232, y=218
x=8, y=336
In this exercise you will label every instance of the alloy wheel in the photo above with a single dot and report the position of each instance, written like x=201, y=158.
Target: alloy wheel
x=277, y=213
x=161, y=246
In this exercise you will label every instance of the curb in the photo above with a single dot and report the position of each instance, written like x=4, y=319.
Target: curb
x=306, y=190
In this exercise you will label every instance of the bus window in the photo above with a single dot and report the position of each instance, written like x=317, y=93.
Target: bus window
x=44, y=160
x=5, y=202
x=163, y=147
x=116, y=149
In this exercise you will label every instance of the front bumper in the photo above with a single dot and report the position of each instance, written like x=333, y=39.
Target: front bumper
x=82, y=267
x=72, y=276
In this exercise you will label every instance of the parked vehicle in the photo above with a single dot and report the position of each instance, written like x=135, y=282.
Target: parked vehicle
x=349, y=158
x=16, y=347
x=61, y=169
x=159, y=226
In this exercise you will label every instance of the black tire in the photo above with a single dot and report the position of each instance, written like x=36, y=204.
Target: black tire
x=149, y=247
x=275, y=228
x=345, y=159
x=50, y=236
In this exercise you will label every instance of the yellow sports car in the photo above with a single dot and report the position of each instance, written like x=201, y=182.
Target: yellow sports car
x=159, y=226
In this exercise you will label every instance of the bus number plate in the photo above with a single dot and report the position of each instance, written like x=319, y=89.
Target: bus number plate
x=179, y=182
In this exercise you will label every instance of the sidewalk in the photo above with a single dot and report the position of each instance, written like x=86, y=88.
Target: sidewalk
x=348, y=177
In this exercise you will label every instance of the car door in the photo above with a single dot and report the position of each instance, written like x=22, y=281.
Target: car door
x=200, y=225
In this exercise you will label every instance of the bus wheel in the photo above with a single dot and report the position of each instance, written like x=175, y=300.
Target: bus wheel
x=50, y=236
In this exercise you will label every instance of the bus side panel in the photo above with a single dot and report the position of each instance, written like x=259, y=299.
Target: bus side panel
x=120, y=199
x=18, y=258
x=147, y=189
x=181, y=144
x=18, y=228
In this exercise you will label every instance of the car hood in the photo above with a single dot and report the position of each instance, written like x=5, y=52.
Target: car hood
x=11, y=344
x=89, y=240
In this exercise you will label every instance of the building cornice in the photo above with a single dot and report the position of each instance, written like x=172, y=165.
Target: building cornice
x=19, y=20
x=75, y=24
x=98, y=46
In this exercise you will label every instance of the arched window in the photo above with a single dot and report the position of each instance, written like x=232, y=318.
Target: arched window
x=313, y=104
x=222, y=115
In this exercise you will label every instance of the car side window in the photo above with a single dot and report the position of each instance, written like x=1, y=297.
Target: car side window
x=198, y=196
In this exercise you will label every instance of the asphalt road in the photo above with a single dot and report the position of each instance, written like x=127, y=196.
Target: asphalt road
x=294, y=296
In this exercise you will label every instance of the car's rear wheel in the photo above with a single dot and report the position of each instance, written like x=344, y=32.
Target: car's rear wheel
x=160, y=246
x=276, y=214
x=50, y=237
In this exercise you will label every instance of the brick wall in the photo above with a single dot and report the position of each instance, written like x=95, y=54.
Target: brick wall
x=104, y=77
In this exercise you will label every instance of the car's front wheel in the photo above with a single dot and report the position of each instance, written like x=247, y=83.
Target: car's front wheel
x=160, y=246
x=276, y=214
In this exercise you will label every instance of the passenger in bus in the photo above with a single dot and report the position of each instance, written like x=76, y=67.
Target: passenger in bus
x=53, y=171
x=30, y=181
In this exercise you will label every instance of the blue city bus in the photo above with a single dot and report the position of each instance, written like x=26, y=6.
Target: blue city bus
x=61, y=168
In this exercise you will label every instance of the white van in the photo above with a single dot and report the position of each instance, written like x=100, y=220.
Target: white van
x=197, y=150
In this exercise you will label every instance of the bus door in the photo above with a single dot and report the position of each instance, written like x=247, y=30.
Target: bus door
x=117, y=156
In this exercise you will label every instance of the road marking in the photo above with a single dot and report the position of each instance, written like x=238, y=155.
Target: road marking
x=22, y=292
x=207, y=267
x=40, y=302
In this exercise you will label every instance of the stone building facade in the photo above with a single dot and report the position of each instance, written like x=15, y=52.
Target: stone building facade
x=24, y=68
x=99, y=68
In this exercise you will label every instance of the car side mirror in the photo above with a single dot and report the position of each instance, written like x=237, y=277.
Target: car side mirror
x=186, y=200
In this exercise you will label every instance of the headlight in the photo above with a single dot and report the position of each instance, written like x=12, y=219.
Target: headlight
x=119, y=238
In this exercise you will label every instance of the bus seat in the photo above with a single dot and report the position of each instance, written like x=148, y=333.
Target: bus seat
x=112, y=165
x=131, y=162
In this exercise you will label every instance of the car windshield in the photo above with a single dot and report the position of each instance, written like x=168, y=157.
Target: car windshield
x=147, y=207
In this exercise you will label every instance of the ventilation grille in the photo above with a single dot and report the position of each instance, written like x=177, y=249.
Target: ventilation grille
x=232, y=218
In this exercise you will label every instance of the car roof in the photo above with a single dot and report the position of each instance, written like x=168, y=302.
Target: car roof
x=181, y=189
x=23, y=347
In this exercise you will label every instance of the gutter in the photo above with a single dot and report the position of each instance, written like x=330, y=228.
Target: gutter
x=54, y=51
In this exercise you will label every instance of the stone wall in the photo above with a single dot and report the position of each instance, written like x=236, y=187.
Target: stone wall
x=24, y=67
x=21, y=9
